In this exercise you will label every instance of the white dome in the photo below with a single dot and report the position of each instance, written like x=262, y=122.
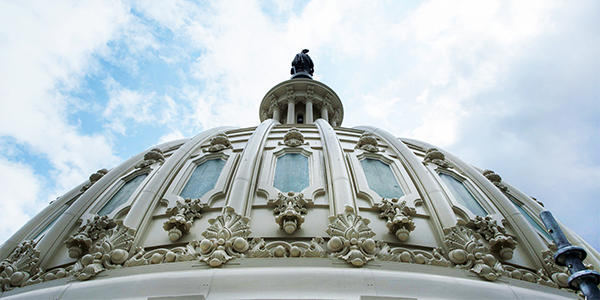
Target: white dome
x=288, y=211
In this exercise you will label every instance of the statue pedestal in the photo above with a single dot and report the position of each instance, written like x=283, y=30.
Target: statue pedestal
x=301, y=74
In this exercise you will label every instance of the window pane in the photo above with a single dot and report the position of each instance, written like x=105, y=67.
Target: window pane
x=530, y=219
x=381, y=179
x=291, y=173
x=122, y=195
x=51, y=223
x=203, y=179
x=462, y=195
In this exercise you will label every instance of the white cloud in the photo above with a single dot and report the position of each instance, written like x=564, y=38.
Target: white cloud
x=20, y=191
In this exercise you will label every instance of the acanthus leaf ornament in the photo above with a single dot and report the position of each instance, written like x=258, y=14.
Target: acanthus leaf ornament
x=219, y=142
x=367, y=142
x=20, y=267
x=500, y=241
x=109, y=251
x=467, y=251
x=351, y=238
x=151, y=157
x=182, y=216
x=434, y=156
x=290, y=210
x=224, y=239
x=80, y=242
x=293, y=138
x=399, y=217
x=93, y=178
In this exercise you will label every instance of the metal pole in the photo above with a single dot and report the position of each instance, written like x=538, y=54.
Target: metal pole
x=572, y=256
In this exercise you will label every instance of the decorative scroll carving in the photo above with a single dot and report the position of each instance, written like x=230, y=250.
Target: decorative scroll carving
x=500, y=241
x=181, y=217
x=351, y=238
x=433, y=155
x=290, y=210
x=93, y=178
x=398, y=214
x=110, y=251
x=225, y=239
x=20, y=266
x=367, y=142
x=293, y=138
x=219, y=142
x=435, y=258
x=467, y=251
x=162, y=255
x=259, y=248
x=495, y=179
x=80, y=242
x=151, y=157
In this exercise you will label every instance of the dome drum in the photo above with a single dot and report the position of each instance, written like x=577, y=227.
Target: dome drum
x=310, y=207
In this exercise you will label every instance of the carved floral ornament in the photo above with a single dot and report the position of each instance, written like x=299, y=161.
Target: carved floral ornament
x=181, y=217
x=351, y=238
x=367, y=142
x=434, y=156
x=93, y=178
x=219, y=142
x=290, y=210
x=495, y=179
x=500, y=241
x=151, y=157
x=399, y=217
x=20, y=267
x=293, y=138
x=226, y=238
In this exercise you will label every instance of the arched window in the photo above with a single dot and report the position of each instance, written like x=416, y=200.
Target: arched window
x=203, y=179
x=291, y=173
x=381, y=179
x=462, y=194
x=122, y=195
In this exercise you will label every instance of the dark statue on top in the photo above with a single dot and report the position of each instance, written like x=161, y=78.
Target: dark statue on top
x=302, y=65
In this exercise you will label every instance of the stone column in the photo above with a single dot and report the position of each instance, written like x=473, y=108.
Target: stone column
x=291, y=112
x=291, y=101
x=276, y=114
x=309, y=112
x=324, y=114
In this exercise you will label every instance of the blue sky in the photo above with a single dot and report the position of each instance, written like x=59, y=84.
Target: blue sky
x=511, y=86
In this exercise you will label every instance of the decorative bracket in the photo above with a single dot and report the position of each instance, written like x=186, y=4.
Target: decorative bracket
x=182, y=217
x=467, y=251
x=80, y=242
x=399, y=217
